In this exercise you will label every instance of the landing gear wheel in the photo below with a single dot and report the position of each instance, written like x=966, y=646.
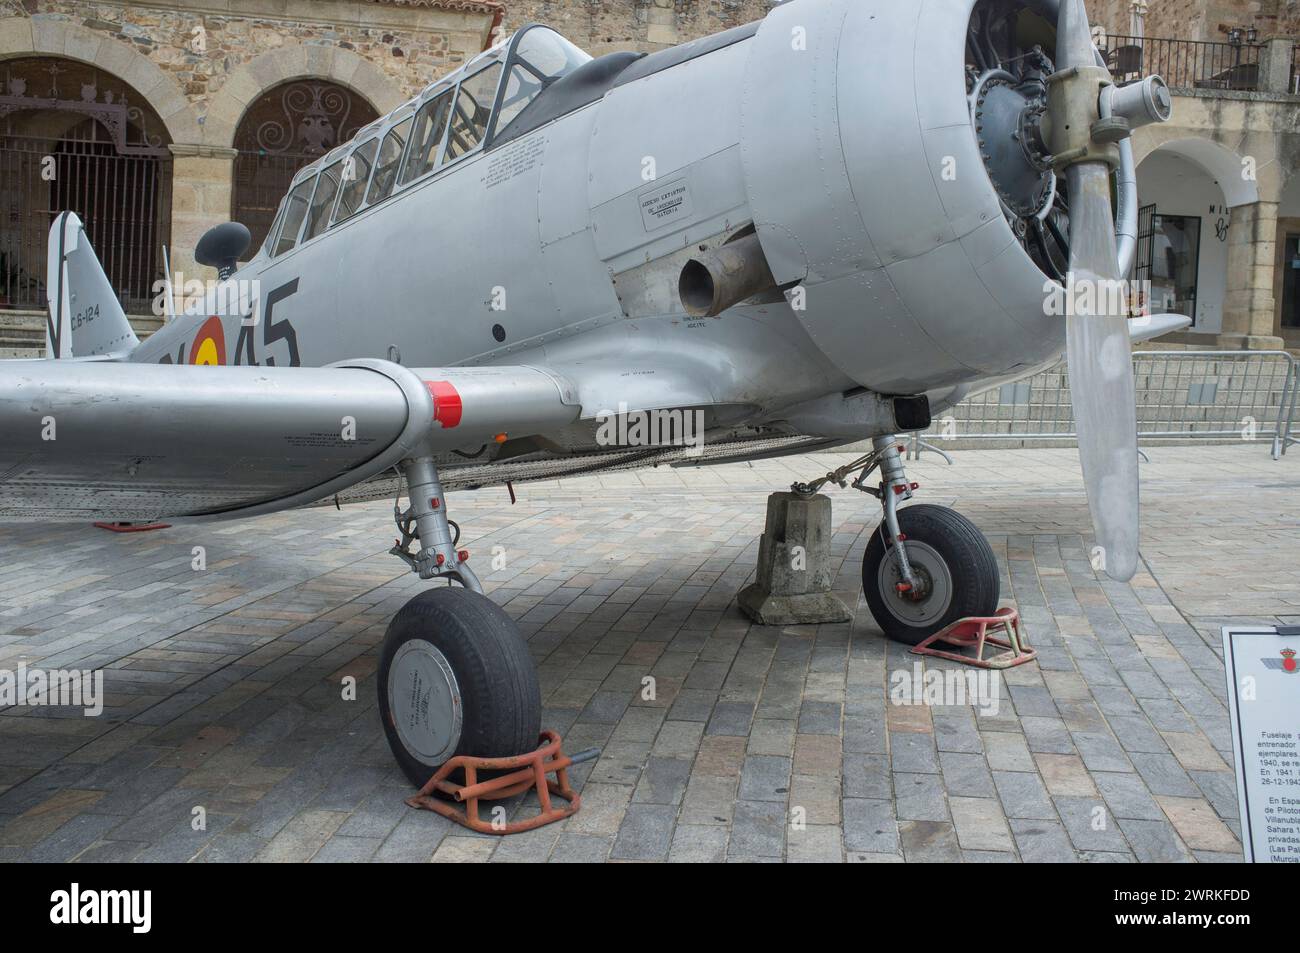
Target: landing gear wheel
x=455, y=677
x=956, y=569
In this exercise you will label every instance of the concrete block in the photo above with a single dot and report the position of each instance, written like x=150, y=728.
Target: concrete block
x=795, y=572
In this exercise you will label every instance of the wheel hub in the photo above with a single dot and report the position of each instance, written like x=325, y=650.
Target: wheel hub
x=424, y=700
x=1007, y=113
x=919, y=592
x=933, y=594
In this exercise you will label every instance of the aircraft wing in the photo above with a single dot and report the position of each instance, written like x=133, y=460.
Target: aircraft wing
x=141, y=442
x=1149, y=326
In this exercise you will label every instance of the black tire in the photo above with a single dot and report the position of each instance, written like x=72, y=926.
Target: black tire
x=954, y=541
x=499, y=701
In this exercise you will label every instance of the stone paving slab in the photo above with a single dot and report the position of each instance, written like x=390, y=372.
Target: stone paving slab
x=240, y=718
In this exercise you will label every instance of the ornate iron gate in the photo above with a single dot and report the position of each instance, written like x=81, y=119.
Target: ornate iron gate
x=287, y=127
x=102, y=157
x=1146, y=237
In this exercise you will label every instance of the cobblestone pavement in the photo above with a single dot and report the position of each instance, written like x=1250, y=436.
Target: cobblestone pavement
x=761, y=743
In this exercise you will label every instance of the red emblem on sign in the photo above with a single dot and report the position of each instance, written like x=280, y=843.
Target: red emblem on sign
x=1286, y=663
x=446, y=403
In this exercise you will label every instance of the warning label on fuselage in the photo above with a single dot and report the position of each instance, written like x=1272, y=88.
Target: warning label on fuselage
x=665, y=203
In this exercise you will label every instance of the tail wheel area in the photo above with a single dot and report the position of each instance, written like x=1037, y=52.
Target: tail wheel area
x=455, y=678
x=955, y=568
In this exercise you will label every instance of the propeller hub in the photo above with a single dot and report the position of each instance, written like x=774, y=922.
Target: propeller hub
x=1074, y=128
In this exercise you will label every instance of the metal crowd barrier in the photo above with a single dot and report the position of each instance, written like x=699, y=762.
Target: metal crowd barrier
x=1181, y=395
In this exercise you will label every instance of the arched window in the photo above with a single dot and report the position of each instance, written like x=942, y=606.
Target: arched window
x=74, y=138
x=285, y=128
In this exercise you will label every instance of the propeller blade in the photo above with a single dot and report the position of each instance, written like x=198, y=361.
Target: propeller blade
x=1101, y=372
x=1098, y=349
x=1073, y=35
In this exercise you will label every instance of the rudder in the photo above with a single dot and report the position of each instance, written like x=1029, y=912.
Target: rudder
x=85, y=318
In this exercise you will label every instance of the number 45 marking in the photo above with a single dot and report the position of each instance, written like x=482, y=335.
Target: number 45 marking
x=272, y=331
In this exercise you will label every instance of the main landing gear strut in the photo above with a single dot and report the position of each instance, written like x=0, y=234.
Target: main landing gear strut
x=455, y=676
x=926, y=566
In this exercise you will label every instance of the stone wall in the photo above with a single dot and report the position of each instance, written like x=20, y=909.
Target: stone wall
x=412, y=41
x=1201, y=19
x=200, y=70
x=200, y=64
x=409, y=41
x=404, y=44
x=601, y=26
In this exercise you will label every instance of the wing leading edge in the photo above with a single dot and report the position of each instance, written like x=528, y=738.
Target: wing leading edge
x=150, y=441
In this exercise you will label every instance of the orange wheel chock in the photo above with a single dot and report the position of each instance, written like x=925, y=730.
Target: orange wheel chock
x=524, y=772
x=973, y=633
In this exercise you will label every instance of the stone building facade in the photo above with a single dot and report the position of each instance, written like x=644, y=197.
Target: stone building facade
x=603, y=26
x=1219, y=183
x=1203, y=20
x=188, y=78
x=205, y=107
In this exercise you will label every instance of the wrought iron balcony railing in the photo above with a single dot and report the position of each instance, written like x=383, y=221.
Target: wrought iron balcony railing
x=1185, y=64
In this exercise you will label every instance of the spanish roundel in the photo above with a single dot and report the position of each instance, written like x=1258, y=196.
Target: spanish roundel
x=209, y=344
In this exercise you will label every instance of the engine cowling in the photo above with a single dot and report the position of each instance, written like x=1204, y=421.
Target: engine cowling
x=913, y=272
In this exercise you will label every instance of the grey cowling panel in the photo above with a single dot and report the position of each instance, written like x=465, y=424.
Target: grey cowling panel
x=695, y=154
x=145, y=442
x=790, y=126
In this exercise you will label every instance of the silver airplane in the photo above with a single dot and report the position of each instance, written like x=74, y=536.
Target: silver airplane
x=825, y=227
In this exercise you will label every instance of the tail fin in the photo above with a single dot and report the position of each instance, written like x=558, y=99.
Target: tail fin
x=85, y=318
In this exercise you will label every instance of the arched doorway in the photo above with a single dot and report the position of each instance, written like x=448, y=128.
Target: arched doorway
x=1187, y=192
x=73, y=137
x=1286, y=285
x=282, y=130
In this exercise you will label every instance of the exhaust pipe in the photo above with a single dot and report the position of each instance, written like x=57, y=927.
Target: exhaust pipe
x=724, y=277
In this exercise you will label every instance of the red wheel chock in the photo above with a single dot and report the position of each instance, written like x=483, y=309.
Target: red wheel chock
x=973, y=633
x=525, y=772
x=130, y=527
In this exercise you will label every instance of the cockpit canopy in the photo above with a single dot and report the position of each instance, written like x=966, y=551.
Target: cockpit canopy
x=458, y=115
x=538, y=57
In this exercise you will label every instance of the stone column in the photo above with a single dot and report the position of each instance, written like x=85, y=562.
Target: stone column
x=1248, y=303
x=661, y=27
x=202, y=179
x=1275, y=65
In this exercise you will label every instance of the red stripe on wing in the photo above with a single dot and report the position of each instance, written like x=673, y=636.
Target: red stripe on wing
x=446, y=403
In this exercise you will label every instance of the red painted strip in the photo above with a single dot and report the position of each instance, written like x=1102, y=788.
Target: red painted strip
x=447, y=406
